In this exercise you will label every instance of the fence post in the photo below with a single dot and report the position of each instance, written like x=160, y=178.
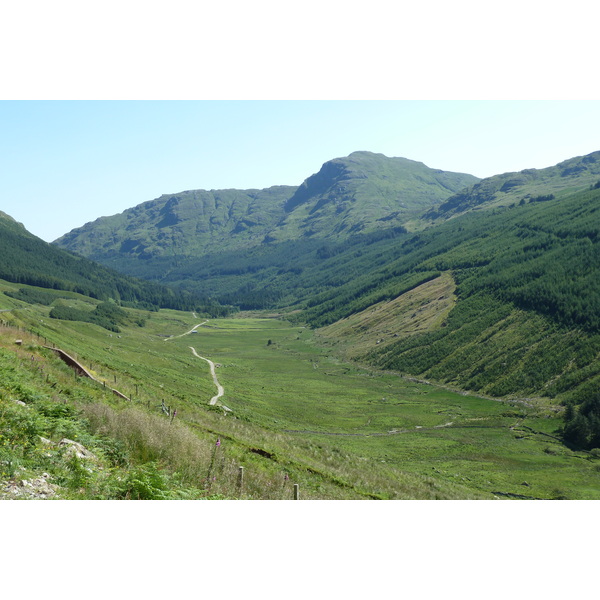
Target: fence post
x=241, y=479
x=296, y=492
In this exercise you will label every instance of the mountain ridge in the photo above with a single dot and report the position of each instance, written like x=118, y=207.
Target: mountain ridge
x=573, y=174
x=361, y=193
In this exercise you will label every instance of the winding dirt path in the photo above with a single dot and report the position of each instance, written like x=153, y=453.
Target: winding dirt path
x=220, y=389
x=173, y=337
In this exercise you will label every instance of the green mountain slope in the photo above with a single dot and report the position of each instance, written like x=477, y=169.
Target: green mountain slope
x=26, y=259
x=524, y=317
x=518, y=261
x=363, y=192
x=183, y=224
x=571, y=175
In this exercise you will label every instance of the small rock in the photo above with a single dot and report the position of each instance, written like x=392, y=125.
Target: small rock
x=76, y=448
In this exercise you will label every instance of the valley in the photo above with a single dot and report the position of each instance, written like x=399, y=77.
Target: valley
x=298, y=409
x=382, y=331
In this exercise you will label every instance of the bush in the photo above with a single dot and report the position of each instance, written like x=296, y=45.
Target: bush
x=145, y=483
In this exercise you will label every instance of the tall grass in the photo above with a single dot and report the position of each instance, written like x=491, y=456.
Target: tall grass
x=152, y=438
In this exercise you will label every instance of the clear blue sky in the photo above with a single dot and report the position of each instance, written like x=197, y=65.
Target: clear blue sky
x=65, y=163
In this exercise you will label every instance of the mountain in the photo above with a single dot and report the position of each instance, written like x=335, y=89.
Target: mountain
x=363, y=192
x=187, y=223
x=531, y=184
x=26, y=259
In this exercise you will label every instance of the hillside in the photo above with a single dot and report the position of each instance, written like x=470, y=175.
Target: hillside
x=26, y=259
x=567, y=177
x=164, y=238
x=518, y=263
x=458, y=362
x=504, y=302
x=343, y=223
x=183, y=224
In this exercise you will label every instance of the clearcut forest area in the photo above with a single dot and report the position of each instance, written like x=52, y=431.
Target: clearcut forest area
x=350, y=338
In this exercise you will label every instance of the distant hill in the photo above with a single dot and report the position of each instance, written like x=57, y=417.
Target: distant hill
x=524, y=186
x=361, y=193
x=8, y=219
x=182, y=224
x=26, y=259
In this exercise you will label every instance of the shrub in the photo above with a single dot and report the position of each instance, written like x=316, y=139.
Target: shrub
x=145, y=483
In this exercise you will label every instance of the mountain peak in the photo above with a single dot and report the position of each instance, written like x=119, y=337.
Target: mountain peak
x=389, y=178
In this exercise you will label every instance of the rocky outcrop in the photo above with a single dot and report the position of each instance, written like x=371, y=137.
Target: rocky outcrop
x=76, y=449
x=38, y=488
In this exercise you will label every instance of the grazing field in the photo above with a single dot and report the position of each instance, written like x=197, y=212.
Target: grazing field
x=299, y=412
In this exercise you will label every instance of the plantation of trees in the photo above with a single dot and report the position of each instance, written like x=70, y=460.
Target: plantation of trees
x=27, y=260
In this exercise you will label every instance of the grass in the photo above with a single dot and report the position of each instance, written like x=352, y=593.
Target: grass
x=300, y=414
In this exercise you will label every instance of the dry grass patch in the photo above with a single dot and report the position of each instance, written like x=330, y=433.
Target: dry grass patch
x=152, y=438
x=419, y=310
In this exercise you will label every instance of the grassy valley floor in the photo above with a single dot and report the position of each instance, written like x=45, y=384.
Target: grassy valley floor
x=281, y=377
x=298, y=413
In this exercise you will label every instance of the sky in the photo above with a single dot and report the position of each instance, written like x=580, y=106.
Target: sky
x=66, y=162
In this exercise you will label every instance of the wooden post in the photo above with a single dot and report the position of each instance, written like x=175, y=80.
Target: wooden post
x=296, y=492
x=241, y=479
